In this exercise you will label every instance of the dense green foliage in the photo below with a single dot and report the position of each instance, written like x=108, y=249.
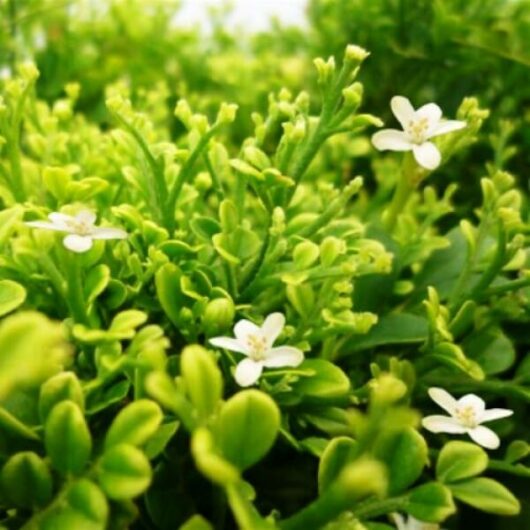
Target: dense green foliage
x=233, y=177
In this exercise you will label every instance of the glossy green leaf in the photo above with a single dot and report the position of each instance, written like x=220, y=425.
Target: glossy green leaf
x=329, y=382
x=67, y=438
x=12, y=295
x=247, y=427
x=123, y=472
x=203, y=379
x=431, y=502
x=134, y=424
x=26, y=480
x=338, y=453
x=487, y=495
x=405, y=454
x=460, y=460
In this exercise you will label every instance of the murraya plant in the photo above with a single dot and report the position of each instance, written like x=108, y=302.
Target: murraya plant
x=199, y=335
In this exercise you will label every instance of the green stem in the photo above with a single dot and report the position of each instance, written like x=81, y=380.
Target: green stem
x=376, y=507
x=185, y=174
x=495, y=266
x=76, y=296
x=159, y=181
x=459, y=290
x=404, y=189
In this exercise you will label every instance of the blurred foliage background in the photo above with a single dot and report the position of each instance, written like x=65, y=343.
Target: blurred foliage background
x=428, y=50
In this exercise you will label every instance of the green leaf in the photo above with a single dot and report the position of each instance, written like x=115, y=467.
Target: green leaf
x=101, y=400
x=157, y=443
x=12, y=295
x=167, y=282
x=453, y=356
x=67, y=438
x=487, y=495
x=125, y=323
x=123, y=472
x=203, y=379
x=395, y=328
x=61, y=387
x=247, y=427
x=134, y=424
x=338, y=453
x=204, y=227
x=301, y=297
x=460, y=460
x=13, y=427
x=32, y=348
x=9, y=220
x=207, y=459
x=329, y=382
x=517, y=450
x=26, y=480
x=305, y=254
x=405, y=454
x=431, y=502
x=491, y=349
x=96, y=282
x=87, y=499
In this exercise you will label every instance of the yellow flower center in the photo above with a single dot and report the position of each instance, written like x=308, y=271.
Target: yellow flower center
x=467, y=417
x=417, y=130
x=81, y=228
x=257, y=346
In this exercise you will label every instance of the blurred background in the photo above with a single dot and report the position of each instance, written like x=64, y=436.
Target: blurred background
x=242, y=51
x=210, y=51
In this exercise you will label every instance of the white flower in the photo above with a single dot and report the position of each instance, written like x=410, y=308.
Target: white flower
x=466, y=416
x=256, y=344
x=418, y=127
x=412, y=524
x=81, y=230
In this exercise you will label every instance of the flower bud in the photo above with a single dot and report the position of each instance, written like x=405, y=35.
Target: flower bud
x=353, y=95
x=218, y=316
x=256, y=157
x=227, y=113
x=355, y=54
x=28, y=71
x=325, y=69
x=183, y=112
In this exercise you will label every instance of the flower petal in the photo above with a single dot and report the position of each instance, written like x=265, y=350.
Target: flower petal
x=86, y=216
x=445, y=127
x=471, y=400
x=61, y=220
x=44, y=224
x=427, y=155
x=432, y=112
x=248, y=372
x=484, y=437
x=229, y=343
x=272, y=327
x=108, y=233
x=403, y=110
x=283, y=356
x=447, y=424
x=244, y=328
x=77, y=243
x=443, y=399
x=494, y=414
x=391, y=140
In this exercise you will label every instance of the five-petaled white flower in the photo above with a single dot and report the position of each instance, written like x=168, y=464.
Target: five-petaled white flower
x=466, y=416
x=80, y=228
x=419, y=126
x=256, y=344
x=412, y=524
